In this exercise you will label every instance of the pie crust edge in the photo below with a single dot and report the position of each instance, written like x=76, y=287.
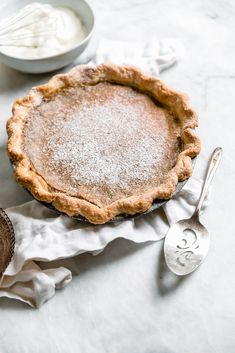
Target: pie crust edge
x=91, y=75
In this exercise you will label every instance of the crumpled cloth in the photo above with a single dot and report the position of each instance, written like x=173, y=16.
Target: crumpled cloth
x=152, y=56
x=43, y=235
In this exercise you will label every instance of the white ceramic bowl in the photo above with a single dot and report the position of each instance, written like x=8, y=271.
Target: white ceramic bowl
x=56, y=61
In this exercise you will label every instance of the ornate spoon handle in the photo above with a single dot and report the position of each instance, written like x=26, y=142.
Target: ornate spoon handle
x=213, y=165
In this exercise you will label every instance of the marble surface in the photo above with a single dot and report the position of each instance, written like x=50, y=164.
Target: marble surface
x=124, y=300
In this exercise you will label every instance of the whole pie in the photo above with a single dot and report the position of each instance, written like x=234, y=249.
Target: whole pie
x=102, y=141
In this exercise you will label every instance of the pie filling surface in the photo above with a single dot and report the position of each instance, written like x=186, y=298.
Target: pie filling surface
x=101, y=142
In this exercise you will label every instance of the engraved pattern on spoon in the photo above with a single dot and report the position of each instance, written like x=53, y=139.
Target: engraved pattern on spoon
x=187, y=247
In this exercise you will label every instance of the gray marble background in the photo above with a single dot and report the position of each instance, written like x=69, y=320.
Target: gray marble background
x=124, y=300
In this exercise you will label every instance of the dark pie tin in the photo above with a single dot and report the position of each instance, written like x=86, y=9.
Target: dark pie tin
x=7, y=241
x=156, y=204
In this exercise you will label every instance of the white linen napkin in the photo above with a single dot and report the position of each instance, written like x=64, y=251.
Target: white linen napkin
x=43, y=235
x=152, y=56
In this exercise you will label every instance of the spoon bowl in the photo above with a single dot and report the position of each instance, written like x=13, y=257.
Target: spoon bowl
x=186, y=246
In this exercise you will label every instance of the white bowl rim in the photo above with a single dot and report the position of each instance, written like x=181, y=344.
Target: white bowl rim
x=66, y=51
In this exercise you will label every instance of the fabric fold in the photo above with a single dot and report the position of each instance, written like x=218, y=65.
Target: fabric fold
x=42, y=235
x=152, y=56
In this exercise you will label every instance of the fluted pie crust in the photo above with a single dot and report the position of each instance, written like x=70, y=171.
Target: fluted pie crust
x=83, y=78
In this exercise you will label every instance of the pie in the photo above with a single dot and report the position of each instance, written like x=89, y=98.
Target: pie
x=101, y=141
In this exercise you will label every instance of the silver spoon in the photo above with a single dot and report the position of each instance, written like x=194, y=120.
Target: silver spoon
x=187, y=241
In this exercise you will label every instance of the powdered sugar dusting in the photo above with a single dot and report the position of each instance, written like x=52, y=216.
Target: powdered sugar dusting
x=107, y=144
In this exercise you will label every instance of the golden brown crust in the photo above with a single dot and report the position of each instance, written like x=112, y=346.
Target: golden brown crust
x=89, y=75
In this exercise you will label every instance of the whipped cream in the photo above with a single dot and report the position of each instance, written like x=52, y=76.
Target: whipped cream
x=44, y=31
